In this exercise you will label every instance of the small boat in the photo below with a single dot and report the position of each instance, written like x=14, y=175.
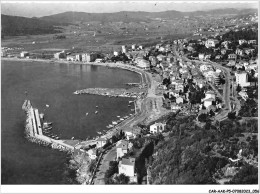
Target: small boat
x=99, y=133
x=125, y=117
x=96, y=106
x=57, y=138
x=130, y=114
x=47, y=128
x=47, y=123
x=96, y=112
x=114, y=123
x=122, y=119
x=47, y=105
x=129, y=105
x=118, y=116
x=72, y=138
x=41, y=115
x=87, y=114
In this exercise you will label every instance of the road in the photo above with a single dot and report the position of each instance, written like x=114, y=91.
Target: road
x=226, y=88
x=104, y=166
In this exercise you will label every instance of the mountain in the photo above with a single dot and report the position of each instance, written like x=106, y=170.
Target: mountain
x=140, y=16
x=15, y=26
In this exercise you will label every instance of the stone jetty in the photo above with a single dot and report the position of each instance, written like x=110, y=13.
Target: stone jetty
x=113, y=92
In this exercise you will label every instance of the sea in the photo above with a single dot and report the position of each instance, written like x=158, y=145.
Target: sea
x=50, y=87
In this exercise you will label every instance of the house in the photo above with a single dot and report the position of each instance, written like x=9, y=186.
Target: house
x=60, y=55
x=133, y=46
x=175, y=107
x=242, y=41
x=201, y=56
x=243, y=94
x=92, y=153
x=242, y=79
x=132, y=133
x=210, y=94
x=231, y=63
x=223, y=51
x=225, y=44
x=252, y=42
x=89, y=57
x=208, y=102
x=248, y=51
x=78, y=57
x=101, y=142
x=127, y=167
x=157, y=128
x=207, y=57
x=232, y=56
x=239, y=52
x=116, y=53
x=3, y=53
x=121, y=148
x=161, y=57
x=203, y=67
x=218, y=57
x=124, y=49
x=24, y=54
x=143, y=64
x=179, y=100
x=211, y=43
x=71, y=58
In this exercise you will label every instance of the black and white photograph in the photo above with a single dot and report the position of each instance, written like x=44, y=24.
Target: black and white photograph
x=155, y=96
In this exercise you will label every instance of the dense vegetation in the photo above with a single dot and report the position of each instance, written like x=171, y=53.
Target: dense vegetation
x=241, y=34
x=16, y=26
x=195, y=155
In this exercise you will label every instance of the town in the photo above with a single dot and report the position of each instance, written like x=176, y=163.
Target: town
x=199, y=106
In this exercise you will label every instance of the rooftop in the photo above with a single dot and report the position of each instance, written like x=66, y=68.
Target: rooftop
x=128, y=161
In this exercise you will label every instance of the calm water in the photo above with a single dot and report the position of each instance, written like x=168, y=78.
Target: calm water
x=27, y=163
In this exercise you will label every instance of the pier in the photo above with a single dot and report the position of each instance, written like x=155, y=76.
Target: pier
x=34, y=131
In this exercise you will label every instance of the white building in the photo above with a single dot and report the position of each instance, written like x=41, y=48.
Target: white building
x=242, y=79
x=211, y=43
x=242, y=41
x=121, y=148
x=124, y=49
x=210, y=94
x=142, y=63
x=201, y=56
x=101, y=142
x=24, y=54
x=243, y=94
x=208, y=102
x=92, y=154
x=133, y=47
x=127, y=167
x=157, y=128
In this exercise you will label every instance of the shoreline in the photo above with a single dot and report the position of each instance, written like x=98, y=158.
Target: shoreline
x=112, y=65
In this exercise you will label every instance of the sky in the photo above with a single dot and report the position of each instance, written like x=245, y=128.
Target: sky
x=43, y=8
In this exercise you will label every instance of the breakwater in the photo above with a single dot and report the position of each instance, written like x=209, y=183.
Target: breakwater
x=34, y=131
x=113, y=92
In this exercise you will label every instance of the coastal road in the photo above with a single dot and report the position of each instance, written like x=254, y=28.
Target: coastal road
x=104, y=166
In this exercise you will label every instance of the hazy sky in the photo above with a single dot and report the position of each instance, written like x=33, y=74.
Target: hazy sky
x=43, y=8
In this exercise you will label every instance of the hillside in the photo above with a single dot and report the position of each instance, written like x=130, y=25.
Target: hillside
x=15, y=26
x=140, y=16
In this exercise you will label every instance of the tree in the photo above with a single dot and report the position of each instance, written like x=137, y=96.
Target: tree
x=203, y=117
x=232, y=115
x=113, y=168
x=247, y=175
x=122, y=179
x=238, y=88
